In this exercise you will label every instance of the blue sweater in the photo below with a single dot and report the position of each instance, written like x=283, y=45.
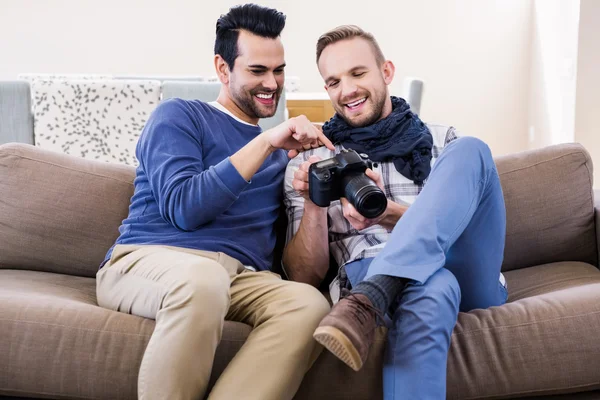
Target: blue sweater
x=188, y=194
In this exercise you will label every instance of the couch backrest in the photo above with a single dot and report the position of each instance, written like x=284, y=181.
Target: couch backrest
x=549, y=206
x=59, y=213
x=209, y=91
x=16, y=119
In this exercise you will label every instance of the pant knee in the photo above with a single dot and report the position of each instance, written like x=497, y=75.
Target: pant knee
x=201, y=287
x=441, y=288
x=307, y=302
x=474, y=151
x=473, y=145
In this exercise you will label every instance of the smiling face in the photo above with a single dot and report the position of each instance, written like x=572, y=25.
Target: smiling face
x=356, y=82
x=255, y=84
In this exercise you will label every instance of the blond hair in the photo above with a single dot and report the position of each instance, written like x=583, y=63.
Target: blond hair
x=345, y=32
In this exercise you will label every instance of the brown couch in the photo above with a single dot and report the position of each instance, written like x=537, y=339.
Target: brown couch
x=59, y=215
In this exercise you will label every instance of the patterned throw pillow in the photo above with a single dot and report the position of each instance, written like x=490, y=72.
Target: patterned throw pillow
x=95, y=119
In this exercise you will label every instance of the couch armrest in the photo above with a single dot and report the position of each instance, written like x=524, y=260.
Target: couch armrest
x=597, y=220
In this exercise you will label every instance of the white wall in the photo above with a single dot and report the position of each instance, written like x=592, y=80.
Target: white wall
x=474, y=55
x=588, y=83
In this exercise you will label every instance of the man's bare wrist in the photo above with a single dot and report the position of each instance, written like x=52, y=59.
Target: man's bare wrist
x=268, y=147
x=394, y=213
x=310, y=207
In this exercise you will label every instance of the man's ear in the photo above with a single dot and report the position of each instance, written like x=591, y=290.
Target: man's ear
x=388, y=69
x=222, y=69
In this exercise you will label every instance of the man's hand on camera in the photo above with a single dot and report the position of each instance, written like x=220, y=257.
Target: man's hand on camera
x=375, y=177
x=295, y=135
x=357, y=221
x=300, y=181
x=387, y=219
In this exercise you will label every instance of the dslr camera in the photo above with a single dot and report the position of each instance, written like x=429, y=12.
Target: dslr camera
x=344, y=176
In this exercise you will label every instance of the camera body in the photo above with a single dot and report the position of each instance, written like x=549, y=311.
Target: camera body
x=344, y=176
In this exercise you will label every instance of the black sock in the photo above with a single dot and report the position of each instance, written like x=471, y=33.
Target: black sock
x=381, y=290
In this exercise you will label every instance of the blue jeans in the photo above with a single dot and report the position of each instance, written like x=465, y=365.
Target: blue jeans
x=450, y=243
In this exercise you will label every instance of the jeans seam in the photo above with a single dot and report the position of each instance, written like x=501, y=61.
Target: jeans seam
x=397, y=305
x=394, y=353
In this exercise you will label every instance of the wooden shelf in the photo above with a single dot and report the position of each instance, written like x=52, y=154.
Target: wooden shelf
x=316, y=110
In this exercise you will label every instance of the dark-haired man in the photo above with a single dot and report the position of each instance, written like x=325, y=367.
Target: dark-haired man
x=200, y=230
x=436, y=249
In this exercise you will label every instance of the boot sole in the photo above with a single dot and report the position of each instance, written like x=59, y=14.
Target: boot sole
x=338, y=343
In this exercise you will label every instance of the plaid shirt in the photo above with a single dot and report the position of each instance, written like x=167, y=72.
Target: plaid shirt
x=346, y=243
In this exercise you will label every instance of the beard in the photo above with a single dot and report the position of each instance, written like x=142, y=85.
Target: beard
x=368, y=117
x=245, y=100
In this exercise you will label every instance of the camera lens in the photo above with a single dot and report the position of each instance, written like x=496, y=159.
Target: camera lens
x=364, y=195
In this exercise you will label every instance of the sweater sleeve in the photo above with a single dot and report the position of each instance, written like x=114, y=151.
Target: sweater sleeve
x=189, y=194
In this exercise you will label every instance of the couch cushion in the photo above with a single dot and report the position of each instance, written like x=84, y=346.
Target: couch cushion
x=548, y=278
x=59, y=343
x=59, y=213
x=330, y=379
x=544, y=341
x=549, y=206
x=56, y=341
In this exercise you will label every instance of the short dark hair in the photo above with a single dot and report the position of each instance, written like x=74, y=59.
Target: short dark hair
x=346, y=32
x=261, y=21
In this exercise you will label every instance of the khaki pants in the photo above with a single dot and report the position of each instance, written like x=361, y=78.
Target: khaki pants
x=190, y=293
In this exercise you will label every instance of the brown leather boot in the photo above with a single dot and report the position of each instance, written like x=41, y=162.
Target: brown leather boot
x=348, y=330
